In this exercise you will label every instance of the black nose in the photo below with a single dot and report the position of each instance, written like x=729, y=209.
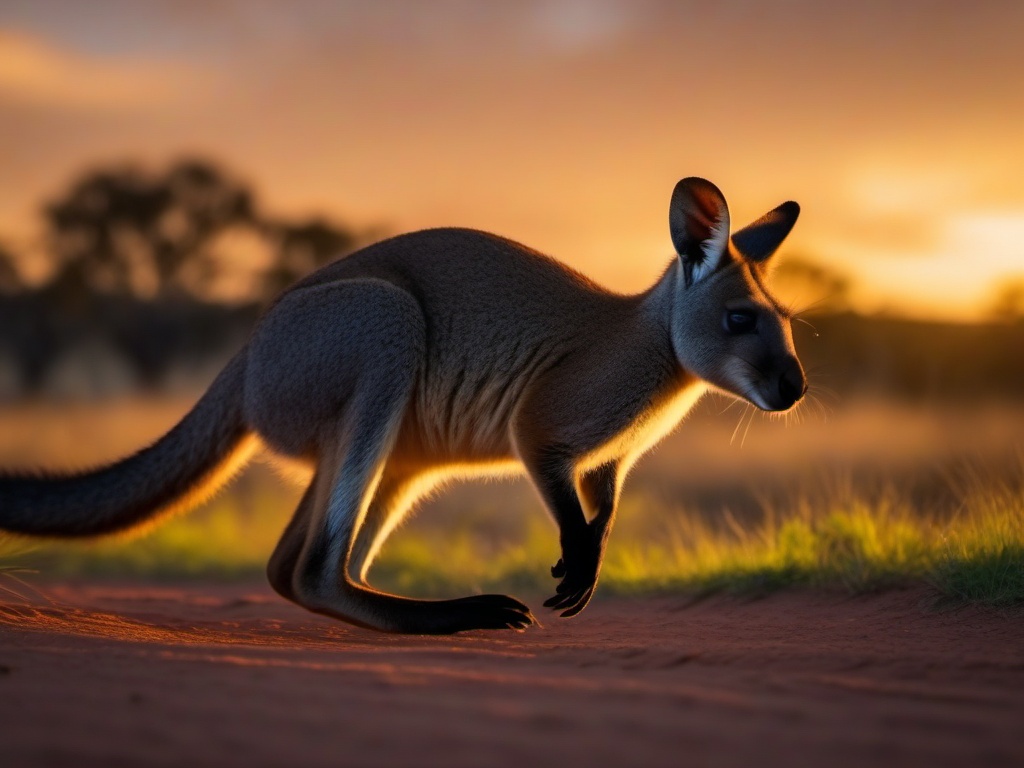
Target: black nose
x=791, y=388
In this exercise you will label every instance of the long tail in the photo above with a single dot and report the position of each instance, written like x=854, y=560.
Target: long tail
x=177, y=472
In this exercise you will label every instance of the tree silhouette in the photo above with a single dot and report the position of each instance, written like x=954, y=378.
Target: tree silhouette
x=303, y=247
x=10, y=276
x=161, y=267
x=125, y=231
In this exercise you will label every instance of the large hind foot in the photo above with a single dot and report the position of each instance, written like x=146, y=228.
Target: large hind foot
x=477, y=612
x=390, y=613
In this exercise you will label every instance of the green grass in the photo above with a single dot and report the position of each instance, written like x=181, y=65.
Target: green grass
x=230, y=537
x=857, y=547
x=836, y=540
x=982, y=561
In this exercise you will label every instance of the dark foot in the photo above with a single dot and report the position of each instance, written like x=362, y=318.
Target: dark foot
x=578, y=569
x=573, y=594
x=443, y=617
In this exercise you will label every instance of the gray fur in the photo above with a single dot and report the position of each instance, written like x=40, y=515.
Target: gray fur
x=451, y=353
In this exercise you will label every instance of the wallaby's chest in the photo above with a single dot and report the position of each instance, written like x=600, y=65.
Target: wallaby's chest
x=646, y=428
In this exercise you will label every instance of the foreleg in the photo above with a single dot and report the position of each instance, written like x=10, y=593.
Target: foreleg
x=583, y=542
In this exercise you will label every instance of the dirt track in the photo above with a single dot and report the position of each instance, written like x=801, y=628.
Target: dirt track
x=231, y=676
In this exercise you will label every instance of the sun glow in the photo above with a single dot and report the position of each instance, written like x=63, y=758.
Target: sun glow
x=901, y=159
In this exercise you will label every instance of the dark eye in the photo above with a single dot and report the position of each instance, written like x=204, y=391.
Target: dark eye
x=740, y=321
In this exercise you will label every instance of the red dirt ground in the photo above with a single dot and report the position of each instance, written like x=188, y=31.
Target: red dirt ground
x=233, y=676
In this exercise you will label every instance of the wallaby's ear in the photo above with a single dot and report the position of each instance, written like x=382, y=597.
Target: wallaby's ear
x=698, y=219
x=758, y=241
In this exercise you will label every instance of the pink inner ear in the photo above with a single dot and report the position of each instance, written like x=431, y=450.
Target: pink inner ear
x=698, y=227
x=702, y=216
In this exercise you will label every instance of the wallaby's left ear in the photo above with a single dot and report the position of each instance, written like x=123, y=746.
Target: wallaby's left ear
x=698, y=220
x=758, y=241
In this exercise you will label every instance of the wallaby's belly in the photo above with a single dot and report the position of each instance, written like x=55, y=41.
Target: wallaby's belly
x=461, y=417
x=475, y=373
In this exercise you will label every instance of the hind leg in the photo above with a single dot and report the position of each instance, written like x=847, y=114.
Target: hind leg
x=307, y=359
x=332, y=370
x=286, y=554
x=322, y=583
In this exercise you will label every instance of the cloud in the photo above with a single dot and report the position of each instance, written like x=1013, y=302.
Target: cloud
x=36, y=72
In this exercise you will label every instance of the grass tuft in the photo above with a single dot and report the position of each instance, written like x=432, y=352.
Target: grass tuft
x=982, y=556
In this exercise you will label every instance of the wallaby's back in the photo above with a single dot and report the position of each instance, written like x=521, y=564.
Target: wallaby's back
x=469, y=282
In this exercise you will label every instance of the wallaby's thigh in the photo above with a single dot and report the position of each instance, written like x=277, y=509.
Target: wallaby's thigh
x=317, y=348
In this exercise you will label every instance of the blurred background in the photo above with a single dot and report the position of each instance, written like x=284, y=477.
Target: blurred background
x=170, y=166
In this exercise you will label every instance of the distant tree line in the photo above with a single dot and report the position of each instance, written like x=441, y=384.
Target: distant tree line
x=850, y=355
x=155, y=268
x=155, y=277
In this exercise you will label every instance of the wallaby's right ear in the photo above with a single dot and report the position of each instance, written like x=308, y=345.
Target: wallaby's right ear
x=698, y=219
x=758, y=241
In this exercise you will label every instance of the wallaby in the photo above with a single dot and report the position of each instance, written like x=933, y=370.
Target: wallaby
x=455, y=353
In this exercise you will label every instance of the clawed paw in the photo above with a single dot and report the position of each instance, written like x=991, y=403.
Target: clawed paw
x=575, y=590
x=490, y=612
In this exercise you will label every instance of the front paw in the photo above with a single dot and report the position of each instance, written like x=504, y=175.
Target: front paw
x=578, y=569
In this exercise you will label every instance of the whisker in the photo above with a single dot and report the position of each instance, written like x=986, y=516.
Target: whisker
x=812, y=304
x=808, y=324
x=823, y=392
x=824, y=410
x=750, y=421
x=738, y=423
x=732, y=403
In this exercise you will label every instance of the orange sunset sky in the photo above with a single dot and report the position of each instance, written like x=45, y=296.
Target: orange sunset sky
x=899, y=126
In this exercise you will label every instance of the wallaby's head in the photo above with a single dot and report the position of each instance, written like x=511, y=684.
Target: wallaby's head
x=727, y=328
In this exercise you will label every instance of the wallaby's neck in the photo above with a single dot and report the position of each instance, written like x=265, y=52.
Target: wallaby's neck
x=658, y=303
